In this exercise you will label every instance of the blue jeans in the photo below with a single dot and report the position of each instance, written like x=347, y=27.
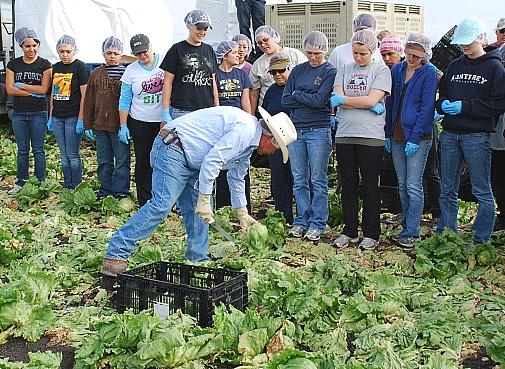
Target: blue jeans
x=177, y=113
x=308, y=157
x=173, y=181
x=69, y=142
x=474, y=148
x=30, y=129
x=409, y=172
x=113, y=157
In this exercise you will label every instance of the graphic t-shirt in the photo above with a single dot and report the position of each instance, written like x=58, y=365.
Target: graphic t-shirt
x=230, y=86
x=67, y=82
x=147, y=85
x=358, y=81
x=30, y=74
x=192, y=67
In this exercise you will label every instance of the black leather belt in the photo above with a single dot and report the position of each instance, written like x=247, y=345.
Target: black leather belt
x=170, y=137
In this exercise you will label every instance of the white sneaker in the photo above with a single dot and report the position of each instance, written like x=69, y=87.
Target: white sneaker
x=368, y=243
x=344, y=241
x=14, y=190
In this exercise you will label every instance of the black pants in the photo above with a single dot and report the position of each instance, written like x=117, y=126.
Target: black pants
x=498, y=181
x=432, y=179
x=250, y=11
x=143, y=135
x=223, y=191
x=354, y=160
x=282, y=186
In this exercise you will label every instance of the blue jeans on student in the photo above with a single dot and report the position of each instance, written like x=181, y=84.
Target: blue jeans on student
x=474, y=148
x=30, y=129
x=173, y=181
x=177, y=113
x=309, y=156
x=113, y=157
x=69, y=143
x=409, y=172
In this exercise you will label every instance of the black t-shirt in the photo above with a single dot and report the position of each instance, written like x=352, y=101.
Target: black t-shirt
x=67, y=82
x=192, y=67
x=30, y=74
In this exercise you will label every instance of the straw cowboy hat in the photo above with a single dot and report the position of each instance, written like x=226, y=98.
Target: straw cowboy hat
x=282, y=129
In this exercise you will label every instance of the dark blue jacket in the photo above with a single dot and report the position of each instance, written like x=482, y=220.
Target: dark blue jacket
x=480, y=85
x=418, y=102
x=306, y=94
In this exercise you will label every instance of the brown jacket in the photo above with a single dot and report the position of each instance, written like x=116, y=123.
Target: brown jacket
x=101, y=102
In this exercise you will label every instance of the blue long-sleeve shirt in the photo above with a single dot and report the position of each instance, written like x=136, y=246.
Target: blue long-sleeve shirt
x=306, y=94
x=418, y=104
x=216, y=138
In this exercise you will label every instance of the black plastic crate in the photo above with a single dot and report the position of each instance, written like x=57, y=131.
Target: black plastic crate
x=444, y=53
x=167, y=287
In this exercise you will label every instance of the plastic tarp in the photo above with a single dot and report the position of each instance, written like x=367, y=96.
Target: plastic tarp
x=92, y=21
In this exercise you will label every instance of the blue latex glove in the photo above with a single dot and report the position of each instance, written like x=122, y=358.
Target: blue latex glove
x=166, y=116
x=39, y=96
x=411, y=149
x=79, y=127
x=455, y=107
x=437, y=118
x=336, y=100
x=333, y=122
x=50, y=124
x=18, y=85
x=378, y=108
x=124, y=134
x=387, y=145
x=89, y=134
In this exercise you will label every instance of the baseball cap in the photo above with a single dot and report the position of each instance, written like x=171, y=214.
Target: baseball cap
x=198, y=18
x=278, y=61
x=501, y=24
x=139, y=44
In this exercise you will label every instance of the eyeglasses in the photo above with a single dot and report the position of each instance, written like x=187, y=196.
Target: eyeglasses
x=65, y=51
x=263, y=41
x=502, y=31
x=273, y=72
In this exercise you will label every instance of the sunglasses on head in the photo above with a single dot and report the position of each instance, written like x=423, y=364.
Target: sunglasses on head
x=273, y=72
x=502, y=31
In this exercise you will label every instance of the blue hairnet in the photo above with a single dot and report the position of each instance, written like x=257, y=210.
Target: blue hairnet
x=241, y=37
x=269, y=31
x=66, y=40
x=224, y=48
x=315, y=41
x=24, y=33
x=112, y=44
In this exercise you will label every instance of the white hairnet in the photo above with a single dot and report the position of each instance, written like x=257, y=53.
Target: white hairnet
x=364, y=20
x=365, y=37
x=268, y=31
x=241, y=37
x=224, y=48
x=315, y=41
x=112, y=44
x=66, y=40
x=24, y=33
x=421, y=40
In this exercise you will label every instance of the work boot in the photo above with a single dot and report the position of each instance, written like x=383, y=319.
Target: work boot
x=113, y=267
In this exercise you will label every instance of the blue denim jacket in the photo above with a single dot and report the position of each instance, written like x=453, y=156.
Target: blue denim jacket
x=418, y=102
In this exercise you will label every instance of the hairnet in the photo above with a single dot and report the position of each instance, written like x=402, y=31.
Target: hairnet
x=365, y=37
x=421, y=40
x=112, y=44
x=315, y=41
x=23, y=33
x=224, y=48
x=469, y=30
x=241, y=37
x=502, y=52
x=269, y=31
x=66, y=40
x=197, y=18
x=364, y=20
x=392, y=43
